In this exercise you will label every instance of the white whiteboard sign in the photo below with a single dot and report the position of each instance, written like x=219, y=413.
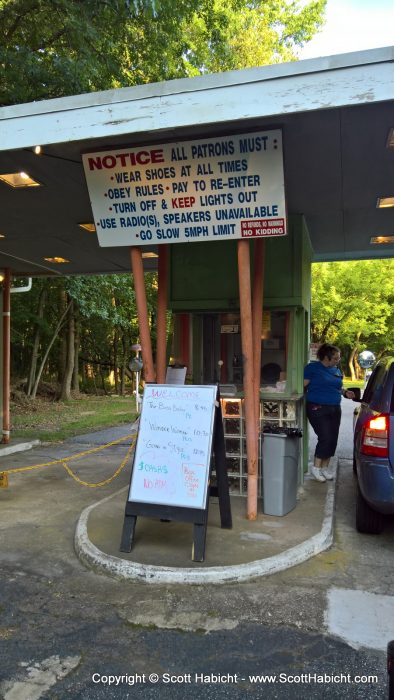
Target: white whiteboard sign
x=214, y=189
x=172, y=458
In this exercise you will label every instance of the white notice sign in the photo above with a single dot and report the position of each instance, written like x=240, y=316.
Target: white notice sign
x=211, y=190
x=172, y=458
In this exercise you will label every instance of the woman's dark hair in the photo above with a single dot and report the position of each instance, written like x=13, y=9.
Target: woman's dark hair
x=327, y=350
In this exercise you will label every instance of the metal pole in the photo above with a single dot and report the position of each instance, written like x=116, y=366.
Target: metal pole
x=161, y=359
x=6, y=354
x=247, y=356
x=142, y=311
x=137, y=349
x=137, y=392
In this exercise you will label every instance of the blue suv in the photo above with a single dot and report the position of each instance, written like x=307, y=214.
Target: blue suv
x=374, y=450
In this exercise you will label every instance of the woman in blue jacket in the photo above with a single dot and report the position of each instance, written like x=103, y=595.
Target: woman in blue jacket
x=324, y=391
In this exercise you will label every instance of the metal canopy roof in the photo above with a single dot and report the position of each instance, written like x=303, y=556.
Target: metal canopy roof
x=336, y=114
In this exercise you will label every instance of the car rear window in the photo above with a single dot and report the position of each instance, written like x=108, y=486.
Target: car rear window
x=392, y=394
x=376, y=380
x=390, y=379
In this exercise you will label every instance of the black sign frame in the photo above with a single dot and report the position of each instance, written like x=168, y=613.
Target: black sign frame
x=197, y=516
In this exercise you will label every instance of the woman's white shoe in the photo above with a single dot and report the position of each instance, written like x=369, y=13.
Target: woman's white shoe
x=327, y=474
x=318, y=474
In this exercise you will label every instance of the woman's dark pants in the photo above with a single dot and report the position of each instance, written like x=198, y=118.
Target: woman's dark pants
x=325, y=421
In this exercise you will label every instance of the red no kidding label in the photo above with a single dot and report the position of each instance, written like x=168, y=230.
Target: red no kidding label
x=257, y=228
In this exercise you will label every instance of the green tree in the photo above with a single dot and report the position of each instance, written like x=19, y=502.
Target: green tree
x=96, y=314
x=227, y=35
x=109, y=326
x=352, y=306
x=52, y=48
x=34, y=315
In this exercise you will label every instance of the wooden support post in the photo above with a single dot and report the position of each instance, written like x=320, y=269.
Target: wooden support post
x=142, y=311
x=257, y=315
x=247, y=357
x=161, y=359
x=6, y=354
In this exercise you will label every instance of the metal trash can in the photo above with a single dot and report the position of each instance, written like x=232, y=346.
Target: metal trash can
x=280, y=456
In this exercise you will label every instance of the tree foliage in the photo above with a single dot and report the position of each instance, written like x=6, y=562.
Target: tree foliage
x=104, y=319
x=353, y=306
x=53, y=48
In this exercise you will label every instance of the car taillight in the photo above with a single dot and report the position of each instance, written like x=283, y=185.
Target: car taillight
x=375, y=437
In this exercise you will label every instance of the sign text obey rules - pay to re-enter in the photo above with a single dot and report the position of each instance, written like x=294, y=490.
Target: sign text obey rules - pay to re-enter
x=212, y=189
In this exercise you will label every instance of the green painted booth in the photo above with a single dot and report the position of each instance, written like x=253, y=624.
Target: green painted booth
x=204, y=299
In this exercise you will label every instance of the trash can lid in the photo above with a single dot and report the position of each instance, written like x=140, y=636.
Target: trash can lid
x=281, y=430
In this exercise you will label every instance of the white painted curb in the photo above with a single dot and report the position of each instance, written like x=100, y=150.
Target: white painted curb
x=94, y=558
x=21, y=447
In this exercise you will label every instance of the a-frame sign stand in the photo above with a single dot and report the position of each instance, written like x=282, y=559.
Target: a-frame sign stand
x=197, y=516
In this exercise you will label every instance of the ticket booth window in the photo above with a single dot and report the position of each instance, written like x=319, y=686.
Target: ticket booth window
x=218, y=350
x=274, y=351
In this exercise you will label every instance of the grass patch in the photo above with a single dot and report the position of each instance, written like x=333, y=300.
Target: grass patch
x=51, y=421
x=347, y=382
x=47, y=420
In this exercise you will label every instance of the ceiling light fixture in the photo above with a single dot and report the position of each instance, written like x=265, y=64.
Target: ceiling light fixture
x=385, y=202
x=57, y=260
x=378, y=240
x=390, y=139
x=20, y=179
x=150, y=255
x=88, y=227
x=37, y=150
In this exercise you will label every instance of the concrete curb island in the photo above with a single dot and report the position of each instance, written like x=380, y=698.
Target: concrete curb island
x=115, y=567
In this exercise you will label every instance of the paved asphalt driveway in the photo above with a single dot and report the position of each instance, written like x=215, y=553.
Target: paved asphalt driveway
x=65, y=631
